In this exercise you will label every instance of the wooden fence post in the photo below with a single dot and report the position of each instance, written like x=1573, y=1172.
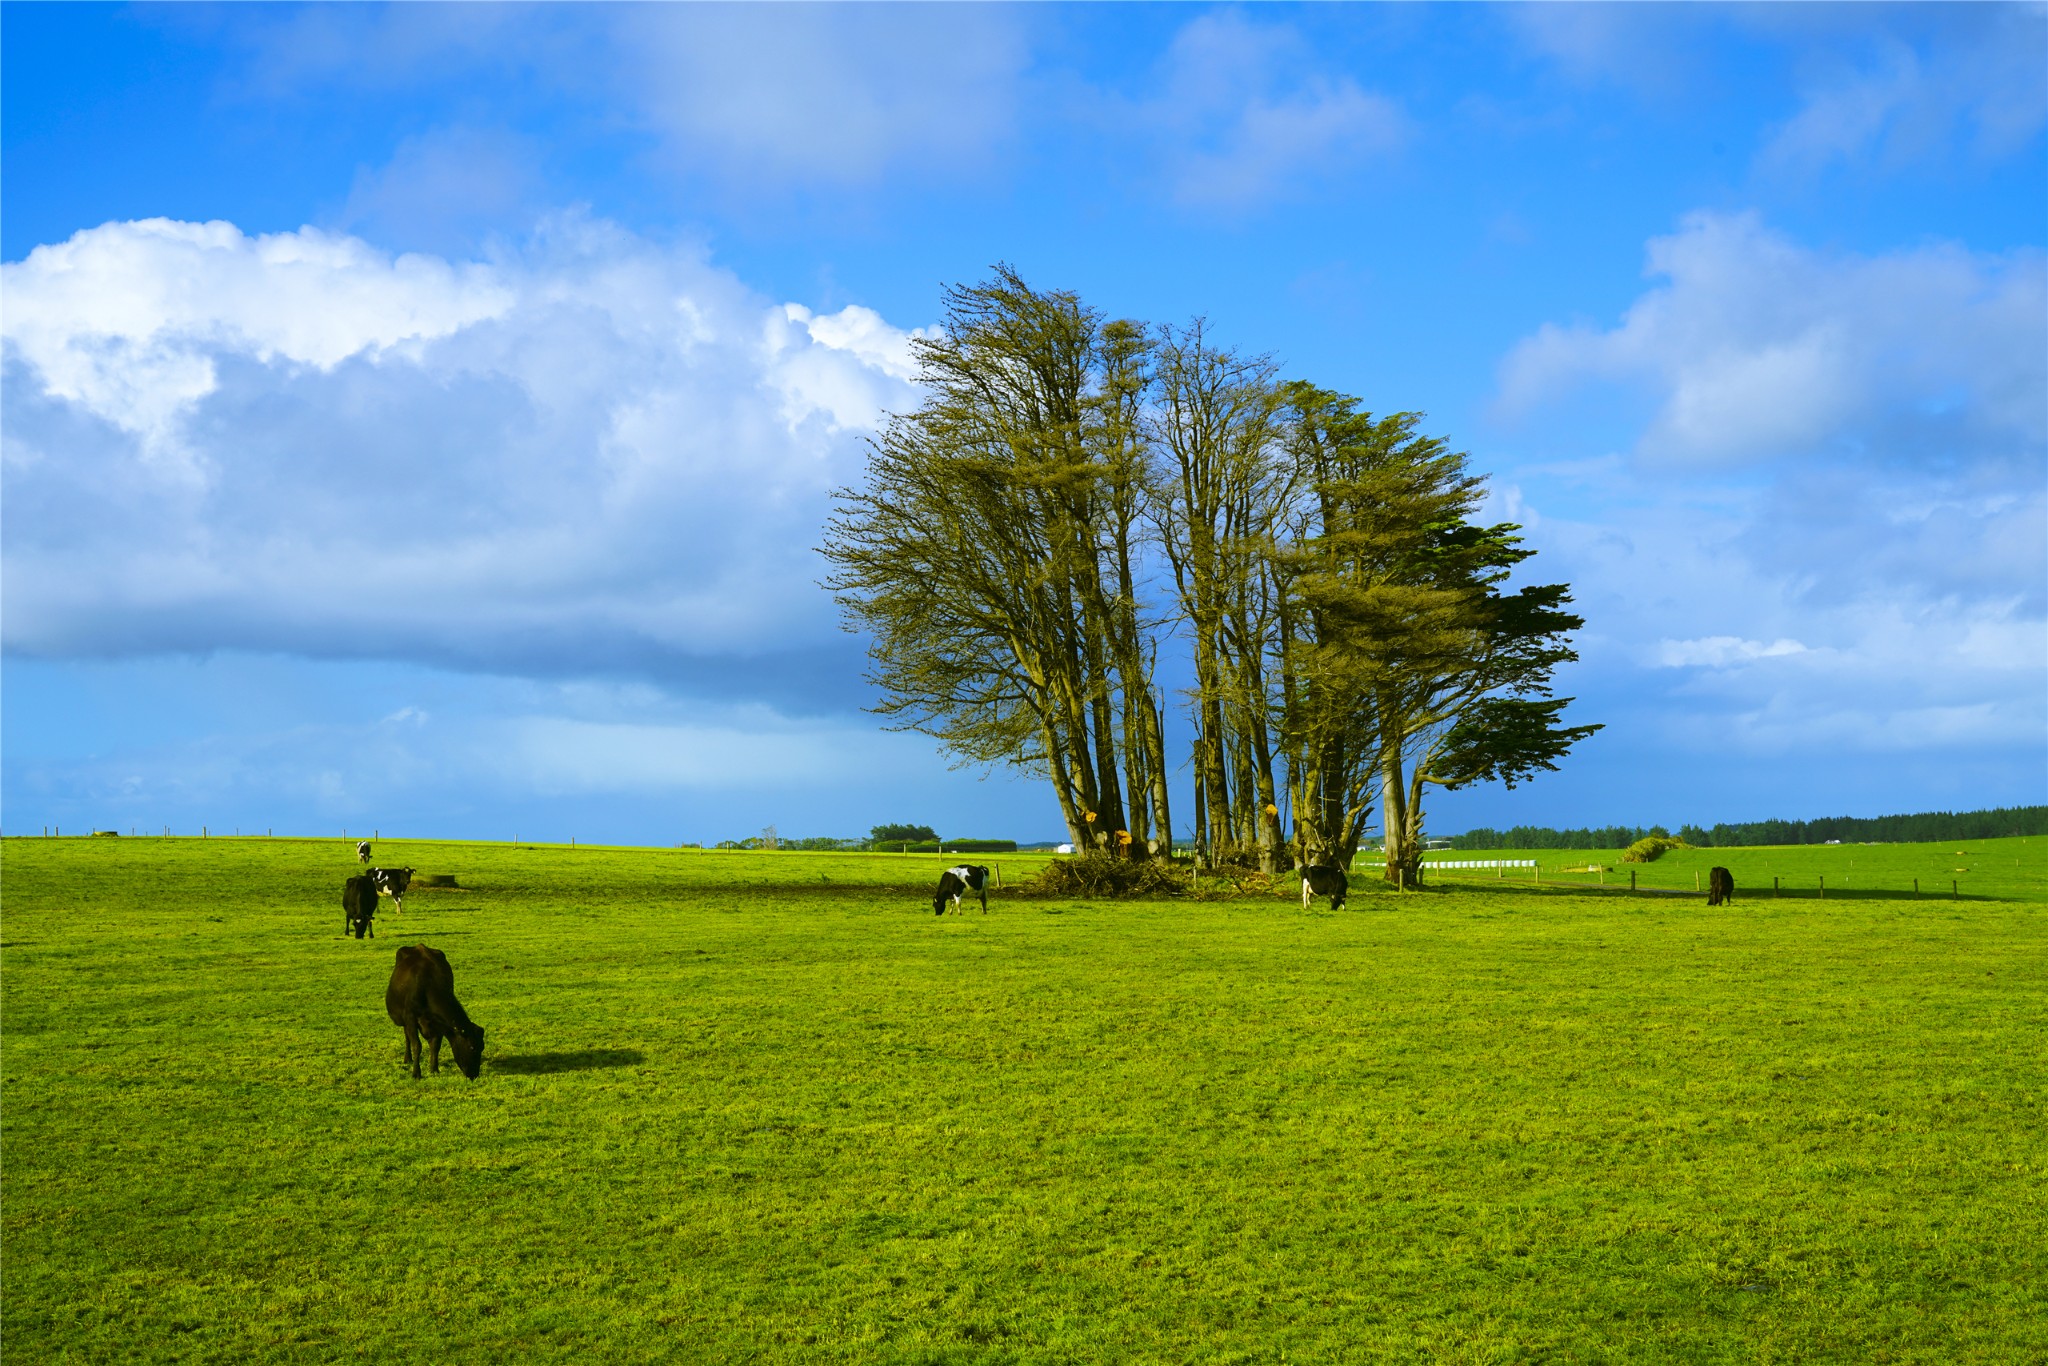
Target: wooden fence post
x=1774, y=885
x=1631, y=879
x=1823, y=889
x=1916, y=888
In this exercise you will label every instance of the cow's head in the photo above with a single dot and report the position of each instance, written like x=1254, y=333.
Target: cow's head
x=468, y=1042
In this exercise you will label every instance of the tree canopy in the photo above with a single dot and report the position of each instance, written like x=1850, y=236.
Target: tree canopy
x=1074, y=495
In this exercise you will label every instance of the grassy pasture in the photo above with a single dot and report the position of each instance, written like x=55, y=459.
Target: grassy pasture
x=2006, y=868
x=765, y=1106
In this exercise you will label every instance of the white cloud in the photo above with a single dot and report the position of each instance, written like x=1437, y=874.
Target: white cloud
x=592, y=447
x=1886, y=85
x=1718, y=652
x=1854, y=650
x=1650, y=49
x=822, y=94
x=808, y=360
x=125, y=320
x=1973, y=82
x=1242, y=117
x=444, y=186
x=1755, y=348
x=760, y=97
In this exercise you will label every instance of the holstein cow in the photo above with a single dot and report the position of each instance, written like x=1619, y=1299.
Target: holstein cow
x=1720, y=886
x=1323, y=880
x=358, y=905
x=955, y=883
x=362, y=851
x=393, y=881
x=421, y=1001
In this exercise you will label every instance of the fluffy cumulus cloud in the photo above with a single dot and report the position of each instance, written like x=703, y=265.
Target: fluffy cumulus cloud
x=1831, y=533
x=1755, y=348
x=1716, y=627
x=591, y=452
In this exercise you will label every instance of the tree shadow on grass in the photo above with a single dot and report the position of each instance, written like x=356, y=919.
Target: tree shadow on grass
x=582, y=1060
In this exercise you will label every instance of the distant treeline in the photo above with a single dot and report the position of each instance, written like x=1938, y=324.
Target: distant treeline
x=1916, y=829
x=826, y=843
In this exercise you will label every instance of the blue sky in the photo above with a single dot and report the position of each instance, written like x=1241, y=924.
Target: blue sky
x=420, y=418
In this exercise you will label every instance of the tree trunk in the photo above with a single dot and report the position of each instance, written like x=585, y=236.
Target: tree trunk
x=1403, y=856
x=1162, y=812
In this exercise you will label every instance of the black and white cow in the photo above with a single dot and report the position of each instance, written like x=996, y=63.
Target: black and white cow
x=362, y=851
x=955, y=883
x=1323, y=880
x=393, y=881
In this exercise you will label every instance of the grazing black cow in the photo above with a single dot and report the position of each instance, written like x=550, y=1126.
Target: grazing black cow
x=421, y=1001
x=358, y=905
x=1324, y=880
x=393, y=881
x=1720, y=887
x=362, y=851
x=955, y=883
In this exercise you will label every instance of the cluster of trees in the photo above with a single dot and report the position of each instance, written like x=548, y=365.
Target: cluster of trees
x=898, y=834
x=1924, y=827
x=1072, y=492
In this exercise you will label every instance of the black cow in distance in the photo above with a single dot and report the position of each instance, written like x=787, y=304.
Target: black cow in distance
x=358, y=907
x=1720, y=887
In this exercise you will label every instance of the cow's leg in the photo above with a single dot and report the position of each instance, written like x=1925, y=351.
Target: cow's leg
x=1306, y=894
x=412, y=1047
x=434, y=1037
x=984, y=902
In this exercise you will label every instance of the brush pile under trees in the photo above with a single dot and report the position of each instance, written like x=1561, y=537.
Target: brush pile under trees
x=1099, y=875
x=1075, y=495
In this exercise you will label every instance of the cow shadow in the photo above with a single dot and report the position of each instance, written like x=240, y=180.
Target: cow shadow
x=581, y=1060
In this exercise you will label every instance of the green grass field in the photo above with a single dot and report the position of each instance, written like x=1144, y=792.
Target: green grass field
x=2009, y=868
x=766, y=1107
